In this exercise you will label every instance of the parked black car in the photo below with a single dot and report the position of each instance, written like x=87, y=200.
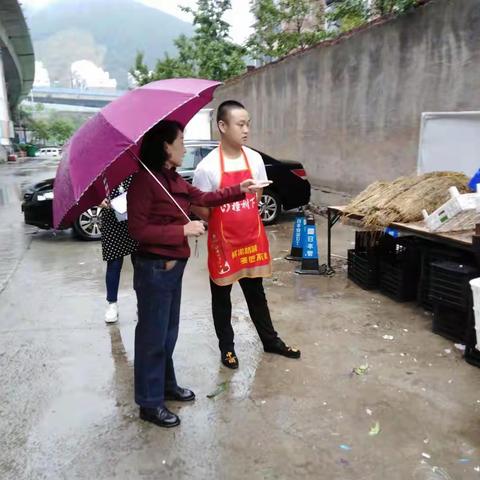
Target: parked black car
x=290, y=189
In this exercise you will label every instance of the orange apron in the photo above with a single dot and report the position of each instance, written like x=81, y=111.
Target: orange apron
x=237, y=242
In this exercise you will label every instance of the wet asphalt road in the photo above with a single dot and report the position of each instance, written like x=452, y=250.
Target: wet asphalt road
x=66, y=406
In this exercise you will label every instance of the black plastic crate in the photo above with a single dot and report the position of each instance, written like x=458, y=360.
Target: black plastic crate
x=399, y=270
x=363, y=269
x=431, y=252
x=451, y=323
x=449, y=284
x=366, y=240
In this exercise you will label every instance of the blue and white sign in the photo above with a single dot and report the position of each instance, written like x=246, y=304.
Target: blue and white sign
x=298, y=229
x=310, y=249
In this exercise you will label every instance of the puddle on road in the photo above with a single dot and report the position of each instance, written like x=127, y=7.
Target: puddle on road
x=9, y=194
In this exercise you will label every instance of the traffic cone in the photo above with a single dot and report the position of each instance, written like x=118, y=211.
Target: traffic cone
x=297, y=237
x=310, y=264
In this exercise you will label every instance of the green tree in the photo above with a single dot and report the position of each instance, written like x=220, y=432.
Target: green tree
x=60, y=130
x=208, y=54
x=264, y=41
x=24, y=116
x=349, y=14
x=386, y=7
x=284, y=26
x=40, y=130
x=140, y=72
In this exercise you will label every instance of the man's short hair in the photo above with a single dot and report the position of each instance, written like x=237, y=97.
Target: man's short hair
x=226, y=107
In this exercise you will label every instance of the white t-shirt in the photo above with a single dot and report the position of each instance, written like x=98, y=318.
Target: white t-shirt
x=207, y=173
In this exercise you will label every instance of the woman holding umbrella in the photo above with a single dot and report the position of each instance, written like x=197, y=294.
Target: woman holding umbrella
x=159, y=202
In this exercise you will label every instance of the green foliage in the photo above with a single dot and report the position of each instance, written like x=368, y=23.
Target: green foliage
x=385, y=7
x=208, y=54
x=41, y=130
x=61, y=130
x=283, y=26
x=349, y=14
x=46, y=128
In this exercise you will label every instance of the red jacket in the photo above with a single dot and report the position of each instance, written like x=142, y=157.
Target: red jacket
x=156, y=222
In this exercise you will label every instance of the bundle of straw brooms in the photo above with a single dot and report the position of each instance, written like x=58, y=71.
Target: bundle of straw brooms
x=403, y=200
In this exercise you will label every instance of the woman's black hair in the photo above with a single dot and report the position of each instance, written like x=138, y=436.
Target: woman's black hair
x=152, y=151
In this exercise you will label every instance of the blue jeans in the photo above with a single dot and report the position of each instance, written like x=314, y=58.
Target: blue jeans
x=158, y=299
x=112, y=277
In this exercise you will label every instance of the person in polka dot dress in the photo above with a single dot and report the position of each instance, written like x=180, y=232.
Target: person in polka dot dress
x=116, y=244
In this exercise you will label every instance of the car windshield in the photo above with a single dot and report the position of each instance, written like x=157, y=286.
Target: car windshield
x=191, y=158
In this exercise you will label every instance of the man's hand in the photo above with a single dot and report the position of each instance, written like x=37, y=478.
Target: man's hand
x=193, y=229
x=251, y=186
x=246, y=184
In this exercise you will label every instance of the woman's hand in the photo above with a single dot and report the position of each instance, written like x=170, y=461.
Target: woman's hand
x=105, y=203
x=193, y=229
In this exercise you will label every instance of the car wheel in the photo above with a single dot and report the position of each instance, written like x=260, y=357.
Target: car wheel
x=269, y=207
x=87, y=225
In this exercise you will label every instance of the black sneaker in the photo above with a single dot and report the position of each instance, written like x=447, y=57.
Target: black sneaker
x=229, y=359
x=280, y=348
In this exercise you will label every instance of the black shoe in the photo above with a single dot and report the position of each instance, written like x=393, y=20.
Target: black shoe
x=229, y=359
x=281, y=349
x=180, y=395
x=159, y=416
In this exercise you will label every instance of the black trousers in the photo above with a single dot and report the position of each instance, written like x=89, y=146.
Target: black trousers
x=257, y=306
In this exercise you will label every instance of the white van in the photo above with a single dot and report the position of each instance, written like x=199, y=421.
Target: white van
x=48, y=152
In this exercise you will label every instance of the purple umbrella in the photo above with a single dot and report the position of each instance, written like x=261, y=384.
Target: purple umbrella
x=104, y=150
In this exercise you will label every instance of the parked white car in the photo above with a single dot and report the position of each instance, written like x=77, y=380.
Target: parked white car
x=48, y=152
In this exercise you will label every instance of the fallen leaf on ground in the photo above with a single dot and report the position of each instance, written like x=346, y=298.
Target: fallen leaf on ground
x=375, y=430
x=221, y=387
x=361, y=370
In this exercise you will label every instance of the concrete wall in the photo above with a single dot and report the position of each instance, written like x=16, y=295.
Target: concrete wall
x=350, y=111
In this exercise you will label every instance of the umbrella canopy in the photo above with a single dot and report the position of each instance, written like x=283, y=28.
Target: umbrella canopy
x=104, y=150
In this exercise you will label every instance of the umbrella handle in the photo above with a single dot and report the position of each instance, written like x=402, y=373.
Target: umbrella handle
x=160, y=183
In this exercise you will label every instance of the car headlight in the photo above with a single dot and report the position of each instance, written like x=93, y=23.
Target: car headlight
x=41, y=197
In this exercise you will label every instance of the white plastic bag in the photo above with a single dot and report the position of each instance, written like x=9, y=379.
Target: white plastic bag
x=119, y=205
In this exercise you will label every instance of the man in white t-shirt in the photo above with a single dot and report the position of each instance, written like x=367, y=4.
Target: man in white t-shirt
x=238, y=247
x=207, y=174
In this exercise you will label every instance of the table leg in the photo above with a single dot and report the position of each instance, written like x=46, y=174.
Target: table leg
x=333, y=218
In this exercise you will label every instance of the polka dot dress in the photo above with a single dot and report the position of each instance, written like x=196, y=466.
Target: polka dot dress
x=116, y=241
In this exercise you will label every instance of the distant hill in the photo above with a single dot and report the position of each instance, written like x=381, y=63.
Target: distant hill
x=106, y=32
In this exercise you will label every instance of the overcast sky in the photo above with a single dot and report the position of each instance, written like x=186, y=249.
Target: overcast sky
x=239, y=17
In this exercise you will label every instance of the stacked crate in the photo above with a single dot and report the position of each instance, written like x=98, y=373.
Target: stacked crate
x=431, y=252
x=399, y=269
x=451, y=297
x=363, y=260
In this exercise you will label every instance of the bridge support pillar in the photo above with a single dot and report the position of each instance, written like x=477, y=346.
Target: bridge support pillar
x=5, y=124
